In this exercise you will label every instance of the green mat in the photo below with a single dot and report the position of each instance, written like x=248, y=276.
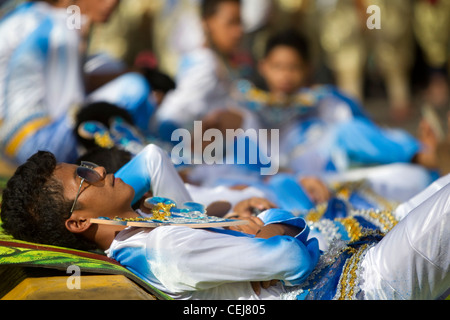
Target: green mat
x=14, y=253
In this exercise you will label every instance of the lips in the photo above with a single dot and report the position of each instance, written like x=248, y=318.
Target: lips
x=116, y=180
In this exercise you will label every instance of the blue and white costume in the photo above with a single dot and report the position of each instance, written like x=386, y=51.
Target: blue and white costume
x=41, y=81
x=410, y=262
x=322, y=133
x=182, y=262
x=381, y=187
x=199, y=264
x=356, y=262
x=321, y=129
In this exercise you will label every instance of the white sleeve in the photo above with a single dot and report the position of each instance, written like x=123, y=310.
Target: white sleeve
x=184, y=259
x=165, y=180
x=405, y=208
x=191, y=99
x=412, y=262
x=152, y=168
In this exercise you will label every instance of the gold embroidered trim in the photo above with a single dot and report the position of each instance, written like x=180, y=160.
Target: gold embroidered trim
x=352, y=227
x=348, y=285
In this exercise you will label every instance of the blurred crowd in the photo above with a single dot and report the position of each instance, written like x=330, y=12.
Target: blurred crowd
x=411, y=50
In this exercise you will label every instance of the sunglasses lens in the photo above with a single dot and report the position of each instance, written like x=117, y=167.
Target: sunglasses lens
x=88, y=174
x=88, y=164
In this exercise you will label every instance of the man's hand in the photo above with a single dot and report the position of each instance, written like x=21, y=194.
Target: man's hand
x=253, y=227
x=251, y=207
x=142, y=206
x=257, y=285
x=277, y=229
x=317, y=190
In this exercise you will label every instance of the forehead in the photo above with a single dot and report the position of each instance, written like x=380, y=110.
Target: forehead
x=66, y=173
x=227, y=8
x=284, y=52
x=65, y=170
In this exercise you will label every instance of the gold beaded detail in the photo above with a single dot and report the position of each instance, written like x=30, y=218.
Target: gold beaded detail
x=382, y=219
x=161, y=211
x=316, y=214
x=352, y=227
x=348, y=285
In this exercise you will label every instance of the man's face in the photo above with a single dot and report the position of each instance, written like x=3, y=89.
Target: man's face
x=225, y=27
x=99, y=11
x=283, y=70
x=103, y=199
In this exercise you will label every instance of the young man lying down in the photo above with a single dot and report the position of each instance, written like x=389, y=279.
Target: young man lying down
x=53, y=203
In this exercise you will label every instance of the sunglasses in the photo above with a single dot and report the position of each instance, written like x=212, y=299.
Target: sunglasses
x=86, y=172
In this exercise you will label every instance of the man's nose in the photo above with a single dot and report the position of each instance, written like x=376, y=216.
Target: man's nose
x=101, y=171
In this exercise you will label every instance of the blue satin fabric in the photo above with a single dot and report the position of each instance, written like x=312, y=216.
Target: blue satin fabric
x=135, y=174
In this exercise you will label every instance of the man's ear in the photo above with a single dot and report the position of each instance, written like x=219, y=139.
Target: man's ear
x=77, y=224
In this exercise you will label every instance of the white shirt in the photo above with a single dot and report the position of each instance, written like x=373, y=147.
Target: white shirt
x=218, y=264
x=202, y=85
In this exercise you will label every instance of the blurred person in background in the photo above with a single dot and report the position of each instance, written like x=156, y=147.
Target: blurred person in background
x=431, y=24
x=7, y=5
x=42, y=83
x=323, y=131
x=348, y=42
x=128, y=34
x=177, y=28
x=205, y=74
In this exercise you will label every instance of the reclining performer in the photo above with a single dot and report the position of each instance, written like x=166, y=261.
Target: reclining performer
x=277, y=257
x=41, y=83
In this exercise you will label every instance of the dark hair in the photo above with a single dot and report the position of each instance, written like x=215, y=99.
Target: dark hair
x=34, y=208
x=209, y=7
x=159, y=81
x=111, y=159
x=290, y=38
x=102, y=112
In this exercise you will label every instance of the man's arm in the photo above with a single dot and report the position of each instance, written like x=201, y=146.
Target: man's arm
x=249, y=210
x=152, y=169
x=267, y=232
x=186, y=260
